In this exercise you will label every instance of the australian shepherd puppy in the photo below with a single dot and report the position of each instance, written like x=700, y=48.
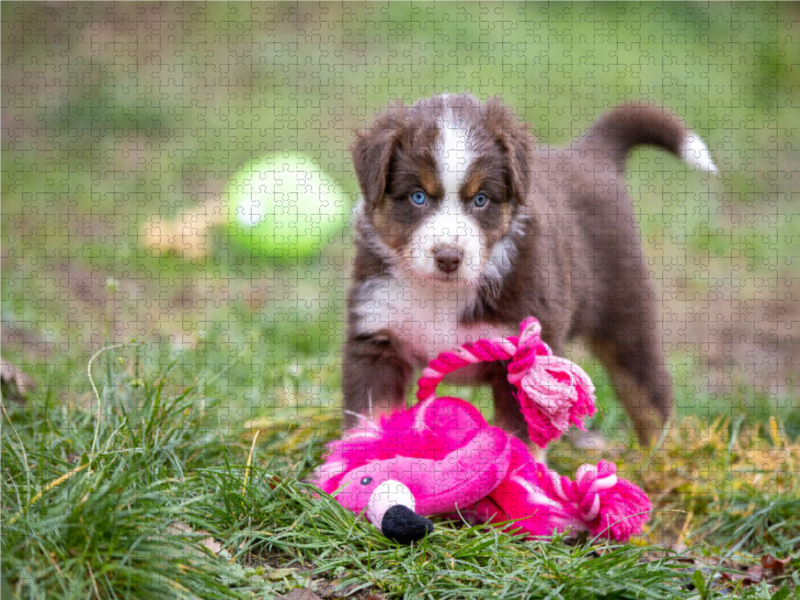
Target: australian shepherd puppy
x=467, y=225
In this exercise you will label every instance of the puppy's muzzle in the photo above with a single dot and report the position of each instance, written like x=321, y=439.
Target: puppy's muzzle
x=448, y=259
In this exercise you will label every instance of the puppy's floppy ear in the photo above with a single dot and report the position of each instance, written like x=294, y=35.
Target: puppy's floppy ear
x=517, y=144
x=372, y=152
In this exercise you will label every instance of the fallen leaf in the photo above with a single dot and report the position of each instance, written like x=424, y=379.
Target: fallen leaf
x=209, y=542
x=773, y=564
x=733, y=576
x=754, y=574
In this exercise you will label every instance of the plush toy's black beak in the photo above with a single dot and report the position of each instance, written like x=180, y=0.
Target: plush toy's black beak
x=404, y=526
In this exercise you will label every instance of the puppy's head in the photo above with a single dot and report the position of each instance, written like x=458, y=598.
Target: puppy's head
x=443, y=181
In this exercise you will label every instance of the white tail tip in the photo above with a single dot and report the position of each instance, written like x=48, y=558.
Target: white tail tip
x=696, y=154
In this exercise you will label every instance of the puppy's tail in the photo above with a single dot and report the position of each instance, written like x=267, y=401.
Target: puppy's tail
x=635, y=123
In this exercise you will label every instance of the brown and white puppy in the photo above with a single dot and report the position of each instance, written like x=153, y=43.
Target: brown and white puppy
x=467, y=226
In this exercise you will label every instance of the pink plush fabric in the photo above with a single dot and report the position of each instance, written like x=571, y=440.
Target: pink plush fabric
x=450, y=459
x=540, y=501
x=481, y=471
x=442, y=450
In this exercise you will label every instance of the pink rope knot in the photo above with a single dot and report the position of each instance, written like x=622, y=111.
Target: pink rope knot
x=609, y=506
x=553, y=392
x=598, y=500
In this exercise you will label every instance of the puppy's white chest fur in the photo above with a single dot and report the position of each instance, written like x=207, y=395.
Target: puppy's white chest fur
x=426, y=316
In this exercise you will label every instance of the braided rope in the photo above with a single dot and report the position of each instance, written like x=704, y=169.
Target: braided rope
x=522, y=350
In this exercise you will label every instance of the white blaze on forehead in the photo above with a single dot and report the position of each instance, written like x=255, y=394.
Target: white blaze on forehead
x=454, y=153
x=450, y=225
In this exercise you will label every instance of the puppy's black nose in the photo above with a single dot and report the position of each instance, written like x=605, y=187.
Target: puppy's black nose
x=448, y=259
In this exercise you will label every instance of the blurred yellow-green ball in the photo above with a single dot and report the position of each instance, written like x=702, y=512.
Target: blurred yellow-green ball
x=284, y=205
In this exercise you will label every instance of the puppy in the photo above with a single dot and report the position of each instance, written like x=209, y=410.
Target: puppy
x=467, y=226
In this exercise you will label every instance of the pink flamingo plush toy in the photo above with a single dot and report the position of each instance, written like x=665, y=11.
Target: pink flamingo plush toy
x=440, y=456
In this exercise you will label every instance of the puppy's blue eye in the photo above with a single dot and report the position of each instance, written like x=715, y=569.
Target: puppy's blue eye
x=419, y=198
x=366, y=481
x=480, y=200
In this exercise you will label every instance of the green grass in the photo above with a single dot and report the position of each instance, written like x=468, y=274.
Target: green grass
x=141, y=493
x=117, y=495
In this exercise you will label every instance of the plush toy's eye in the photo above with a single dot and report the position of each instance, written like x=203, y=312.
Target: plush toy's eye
x=419, y=198
x=366, y=481
x=480, y=200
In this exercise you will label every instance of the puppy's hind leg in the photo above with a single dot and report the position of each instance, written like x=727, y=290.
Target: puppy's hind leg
x=633, y=355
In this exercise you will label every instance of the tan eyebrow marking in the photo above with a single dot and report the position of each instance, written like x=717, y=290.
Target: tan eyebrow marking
x=473, y=185
x=428, y=181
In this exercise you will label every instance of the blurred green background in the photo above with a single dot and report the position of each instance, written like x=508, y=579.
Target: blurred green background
x=122, y=124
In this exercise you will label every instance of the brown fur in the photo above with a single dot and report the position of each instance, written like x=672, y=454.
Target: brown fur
x=579, y=266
